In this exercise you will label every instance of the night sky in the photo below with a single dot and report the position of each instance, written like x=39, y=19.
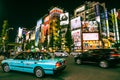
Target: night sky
x=25, y=13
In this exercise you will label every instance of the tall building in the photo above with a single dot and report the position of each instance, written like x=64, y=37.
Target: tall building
x=87, y=11
x=94, y=24
x=55, y=27
x=114, y=29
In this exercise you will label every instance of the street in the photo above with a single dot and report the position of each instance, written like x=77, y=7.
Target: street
x=72, y=72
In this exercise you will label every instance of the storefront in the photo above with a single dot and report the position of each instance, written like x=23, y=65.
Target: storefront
x=91, y=44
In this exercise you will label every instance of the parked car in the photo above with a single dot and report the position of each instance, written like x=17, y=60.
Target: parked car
x=39, y=63
x=75, y=53
x=61, y=53
x=103, y=57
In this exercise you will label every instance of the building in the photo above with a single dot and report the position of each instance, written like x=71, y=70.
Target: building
x=55, y=28
x=114, y=29
x=94, y=28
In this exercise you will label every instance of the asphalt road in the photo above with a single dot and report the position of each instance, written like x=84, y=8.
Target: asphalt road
x=72, y=72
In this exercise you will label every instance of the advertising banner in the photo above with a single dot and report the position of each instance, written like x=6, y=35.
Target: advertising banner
x=90, y=36
x=76, y=35
x=27, y=35
x=118, y=15
x=32, y=37
x=37, y=30
x=20, y=32
x=42, y=34
x=89, y=26
x=91, y=44
x=64, y=18
x=39, y=22
x=75, y=23
x=97, y=10
x=47, y=20
x=56, y=11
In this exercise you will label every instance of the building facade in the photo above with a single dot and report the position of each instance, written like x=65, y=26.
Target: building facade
x=93, y=28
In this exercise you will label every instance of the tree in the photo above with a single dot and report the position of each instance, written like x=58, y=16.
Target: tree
x=4, y=33
x=68, y=37
x=4, y=28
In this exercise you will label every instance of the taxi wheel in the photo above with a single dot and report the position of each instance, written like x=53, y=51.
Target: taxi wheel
x=6, y=68
x=39, y=72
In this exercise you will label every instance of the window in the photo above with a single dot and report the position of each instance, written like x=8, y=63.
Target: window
x=21, y=56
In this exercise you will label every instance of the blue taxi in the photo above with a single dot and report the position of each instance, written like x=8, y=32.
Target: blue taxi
x=38, y=63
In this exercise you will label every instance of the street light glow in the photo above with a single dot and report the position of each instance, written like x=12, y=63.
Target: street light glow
x=10, y=29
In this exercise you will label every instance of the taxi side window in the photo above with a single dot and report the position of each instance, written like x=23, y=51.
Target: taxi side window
x=21, y=56
x=30, y=56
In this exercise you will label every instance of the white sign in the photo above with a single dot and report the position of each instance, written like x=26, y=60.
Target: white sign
x=39, y=22
x=90, y=36
x=82, y=8
x=20, y=30
x=64, y=18
x=75, y=23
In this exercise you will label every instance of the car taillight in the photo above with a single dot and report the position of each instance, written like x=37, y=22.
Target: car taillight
x=58, y=64
x=115, y=55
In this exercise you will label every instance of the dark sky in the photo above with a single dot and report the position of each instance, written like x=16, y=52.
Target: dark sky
x=25, y=13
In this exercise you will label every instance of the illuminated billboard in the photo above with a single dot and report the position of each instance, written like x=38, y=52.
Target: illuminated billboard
x=75, y=23
x=89, y=26
x=76, y=36
x=91, y=44
x=32, y=37
x=46, y=25
x=47, y=20
x=90, y=36
x=39, y=22
x=42, y=34
x=55, y=11
x=20, y=30
x=37, y=30
x=64, y=18
x=97, y=10
x=80, y=9
x=27, y=35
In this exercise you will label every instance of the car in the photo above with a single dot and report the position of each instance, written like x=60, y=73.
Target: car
x=61, y=53
x=38, y=63
x=75, y=53
x=102, y=57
